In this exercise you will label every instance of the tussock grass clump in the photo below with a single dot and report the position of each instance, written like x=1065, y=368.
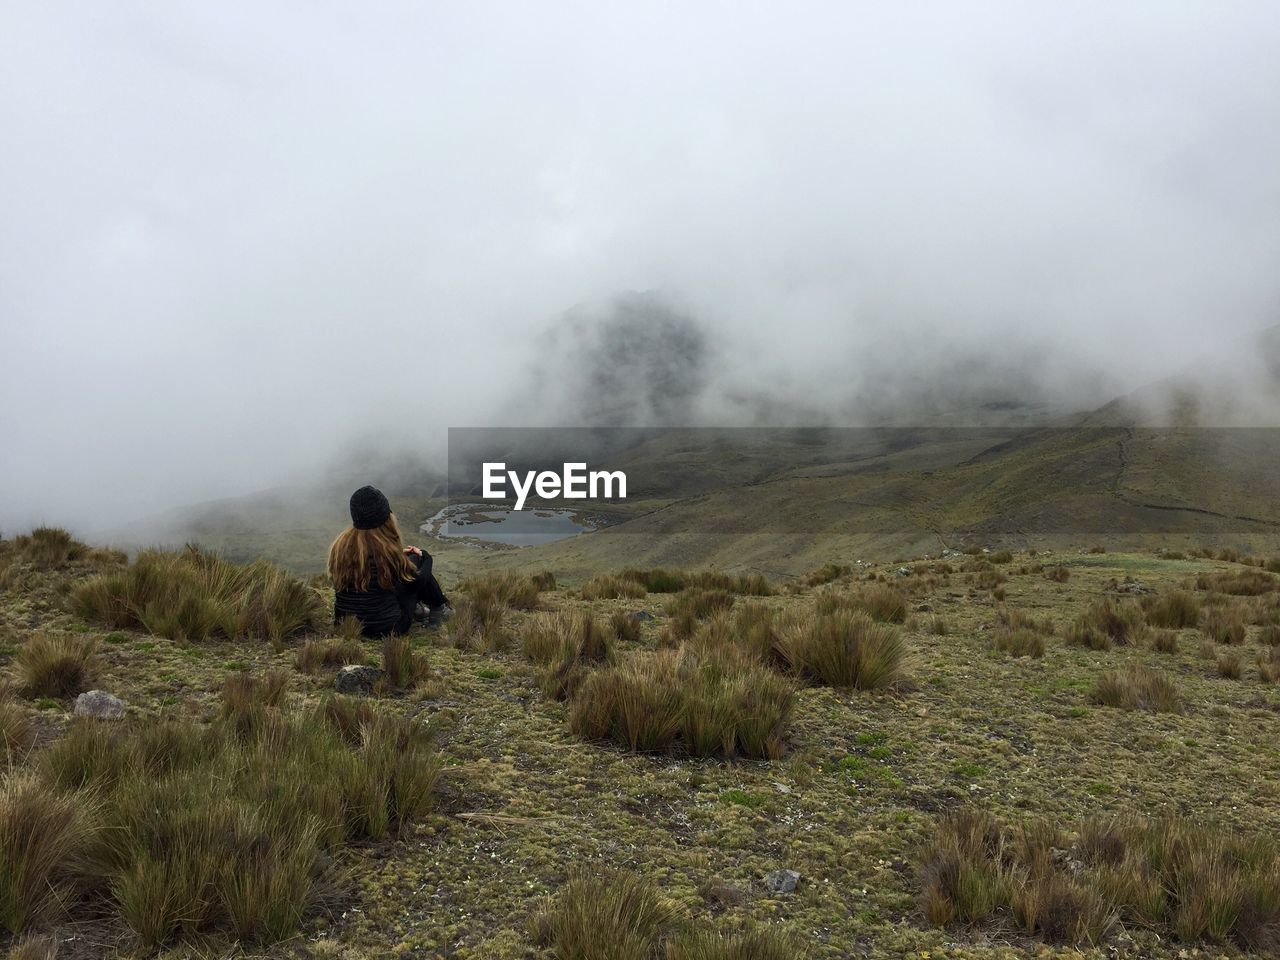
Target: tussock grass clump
x=1224, y=624
x=1269, y=665
x=479, y=622
x=610, y=914
x=1058, y=574
x=48, y=548
x=1239, y=583
x=625, y=627
x=991, y=579
x=750, y=628
x=662, y=580
x=721, y=703
x=753, y=585
x=350, y=628
x=17, y=734
x=1230, y=666
x=698, y=603
x=316, y=655
x=1176, y=609
x=1106, y=623
x=1269, y=636
x=1203, y=883
x=747, y=584
x=543, y=637
x=1198, y=883
x=939, y=626
x=843, y=648
x=826, y=573
x=1000, y=556
x=231, y=828
x=41, y=832
x=1018, y=642
x=975, y=869
x=610, y=587
x=50, y=666
x=1060, y=909
x=1136, y=687
x=658, y=579
x=515, y=590
x=883, y=603
x=759, y=943
x=191, y=595
x=1164, y=641
x=879, y=601
x=1016, y=619
x=1266, y=613
x=677, y=630
x=34, y=948
x=711, y=581
x=565, y=646
x=964, y=876
x=402, y=667
x=246, y=697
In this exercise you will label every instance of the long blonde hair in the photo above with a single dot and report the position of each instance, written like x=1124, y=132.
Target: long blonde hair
x=354, y=553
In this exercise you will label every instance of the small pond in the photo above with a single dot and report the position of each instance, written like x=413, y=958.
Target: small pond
x=517, y=528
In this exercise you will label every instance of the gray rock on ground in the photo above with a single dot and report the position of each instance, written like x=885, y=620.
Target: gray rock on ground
x=100, y=705
x=358, y=679
x=782, y=881
x=1134, y=586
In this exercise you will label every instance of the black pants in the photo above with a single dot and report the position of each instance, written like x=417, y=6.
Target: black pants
x=423, y=588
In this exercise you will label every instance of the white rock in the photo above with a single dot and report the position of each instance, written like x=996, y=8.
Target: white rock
x=99, y=704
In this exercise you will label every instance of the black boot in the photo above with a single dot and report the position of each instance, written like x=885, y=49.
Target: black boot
x=436, y=616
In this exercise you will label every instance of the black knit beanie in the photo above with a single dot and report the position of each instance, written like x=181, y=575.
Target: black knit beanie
x=369, y=508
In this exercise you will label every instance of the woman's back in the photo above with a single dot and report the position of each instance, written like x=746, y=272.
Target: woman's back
x=376, y=578
x=377, y=608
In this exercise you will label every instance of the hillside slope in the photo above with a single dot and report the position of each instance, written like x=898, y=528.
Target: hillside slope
x=864, y=781
x=780, y=500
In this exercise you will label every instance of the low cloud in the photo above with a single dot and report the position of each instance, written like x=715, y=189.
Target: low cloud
x=242, y=244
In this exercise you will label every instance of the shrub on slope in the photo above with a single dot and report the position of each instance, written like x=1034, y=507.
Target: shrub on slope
x=1181, y=875
x=193, y=595
x=190, y=831
x=717, y=703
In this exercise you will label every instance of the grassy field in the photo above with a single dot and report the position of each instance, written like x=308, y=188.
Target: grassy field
x=524, y=812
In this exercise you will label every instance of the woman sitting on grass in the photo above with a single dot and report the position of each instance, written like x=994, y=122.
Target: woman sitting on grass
x=376, y=578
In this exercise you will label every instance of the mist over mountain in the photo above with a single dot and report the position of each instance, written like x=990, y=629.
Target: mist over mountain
x=638, y=359
x=251, y=249
x=1232, y=385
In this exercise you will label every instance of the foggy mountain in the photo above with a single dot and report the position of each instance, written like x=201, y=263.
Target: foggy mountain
x=638, y=360
x=235, y=260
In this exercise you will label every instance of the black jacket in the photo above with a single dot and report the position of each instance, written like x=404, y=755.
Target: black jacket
x=382, y=610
